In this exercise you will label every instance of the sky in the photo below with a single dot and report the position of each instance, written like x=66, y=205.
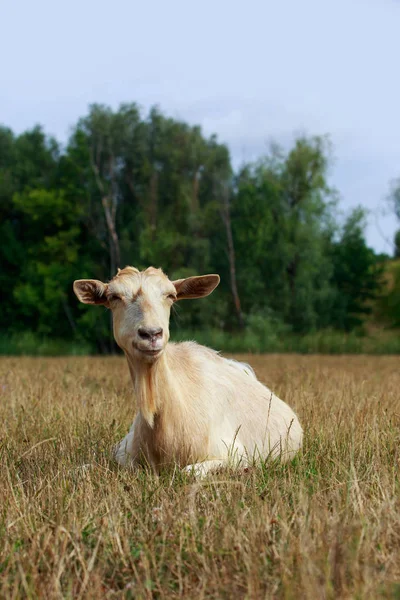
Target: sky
x=251, y=72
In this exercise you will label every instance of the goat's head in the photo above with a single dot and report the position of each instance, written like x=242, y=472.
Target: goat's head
x=141, y=303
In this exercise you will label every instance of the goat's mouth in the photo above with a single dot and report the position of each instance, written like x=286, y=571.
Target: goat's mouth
x=149, y=351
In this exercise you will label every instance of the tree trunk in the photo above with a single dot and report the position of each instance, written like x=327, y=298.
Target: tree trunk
x=291, y=271
x=226, y=217
x=109, y=202
x=110, y=212
x=153, y=203
x=195, y=190
x=68, y=313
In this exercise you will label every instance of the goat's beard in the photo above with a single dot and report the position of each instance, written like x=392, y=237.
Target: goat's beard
x=145, y=377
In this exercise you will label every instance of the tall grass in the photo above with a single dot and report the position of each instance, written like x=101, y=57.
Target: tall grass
x=74, y=525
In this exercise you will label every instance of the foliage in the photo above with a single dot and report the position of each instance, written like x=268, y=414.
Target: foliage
x=148, y=189
x=394, y=197
x=283, y=227
x=397, y=244
x=356, y=272
x=389, y=304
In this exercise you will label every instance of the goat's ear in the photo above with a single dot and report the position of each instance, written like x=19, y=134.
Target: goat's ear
x=91, y=291
x=195, y=287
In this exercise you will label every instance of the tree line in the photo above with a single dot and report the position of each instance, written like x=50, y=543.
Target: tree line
x=135, y=189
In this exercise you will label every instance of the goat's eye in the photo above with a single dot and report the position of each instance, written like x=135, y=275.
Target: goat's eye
x=114, y=298
x=171, y=297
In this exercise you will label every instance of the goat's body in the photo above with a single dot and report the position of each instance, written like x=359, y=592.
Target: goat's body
x=195, y=408
x=198, y=408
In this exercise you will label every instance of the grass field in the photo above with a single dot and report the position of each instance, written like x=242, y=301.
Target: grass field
x=325, y=526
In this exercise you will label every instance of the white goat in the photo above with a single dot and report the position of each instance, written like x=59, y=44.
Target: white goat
x=196, y=409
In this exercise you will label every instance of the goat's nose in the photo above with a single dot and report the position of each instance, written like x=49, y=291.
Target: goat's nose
x=150, y=333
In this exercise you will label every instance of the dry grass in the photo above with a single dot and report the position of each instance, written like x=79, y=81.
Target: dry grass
x=325, y=526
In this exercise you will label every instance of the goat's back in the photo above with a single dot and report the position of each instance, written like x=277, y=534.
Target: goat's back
x=234, y=411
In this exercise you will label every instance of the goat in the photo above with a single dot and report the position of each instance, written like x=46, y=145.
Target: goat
x=196, y=409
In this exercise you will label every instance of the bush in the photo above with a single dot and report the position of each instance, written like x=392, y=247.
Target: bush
x=31, y=344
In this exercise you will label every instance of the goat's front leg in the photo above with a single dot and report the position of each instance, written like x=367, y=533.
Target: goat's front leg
x=201, y=469
x=121, y=452
x=127, y=451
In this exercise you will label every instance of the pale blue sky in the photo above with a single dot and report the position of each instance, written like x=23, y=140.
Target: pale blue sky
x=248, y=71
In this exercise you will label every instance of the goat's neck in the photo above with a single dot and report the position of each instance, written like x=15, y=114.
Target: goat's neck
x=151, y=384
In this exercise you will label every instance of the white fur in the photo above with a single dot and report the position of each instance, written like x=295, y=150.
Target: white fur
x=195, y=409
x=215, y=412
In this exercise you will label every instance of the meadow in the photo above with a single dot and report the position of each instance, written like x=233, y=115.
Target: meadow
x=75, y=525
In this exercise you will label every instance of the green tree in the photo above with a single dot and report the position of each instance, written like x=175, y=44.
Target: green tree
x=26, y=162
x=98, y=147
x=147, y=189
x=150, y=192
x=283, y=222
x=357, y=274
x=397, y=244
x=394, y=197
x=52, y=260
